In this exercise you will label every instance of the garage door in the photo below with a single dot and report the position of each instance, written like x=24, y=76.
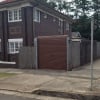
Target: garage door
x=52, y=52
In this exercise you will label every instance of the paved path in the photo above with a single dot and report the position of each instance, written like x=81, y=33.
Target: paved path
x=12, y=97
x=8, y=95
x=77, y=81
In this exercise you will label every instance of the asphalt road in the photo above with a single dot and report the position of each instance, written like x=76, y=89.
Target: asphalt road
x=10, y=97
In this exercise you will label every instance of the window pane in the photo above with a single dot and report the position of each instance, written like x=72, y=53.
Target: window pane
x=15, y=15
x=16, y=46
x=10, y=16
x=20, y=16
x=20, y=44
x=11, y=47
x=36, y=15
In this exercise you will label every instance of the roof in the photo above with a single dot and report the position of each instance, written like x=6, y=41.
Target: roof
x=76, y=35
x=37, y=3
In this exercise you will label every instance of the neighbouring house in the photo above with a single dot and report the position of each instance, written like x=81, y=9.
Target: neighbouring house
x=23, y=20
x=76, y=35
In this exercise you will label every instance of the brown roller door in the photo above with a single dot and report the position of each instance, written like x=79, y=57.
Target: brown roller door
x=52, y=53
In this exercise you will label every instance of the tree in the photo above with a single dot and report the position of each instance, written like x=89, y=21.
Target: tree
x=44, y=1
x=67, y=7
x=96, y=9
x=82, y=26
x=53, y=4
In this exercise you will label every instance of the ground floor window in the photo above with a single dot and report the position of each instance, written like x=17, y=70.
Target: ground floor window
x=14, y=45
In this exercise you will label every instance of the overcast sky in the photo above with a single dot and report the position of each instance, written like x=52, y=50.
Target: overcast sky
x=65, y=0
x=1, y=0
x=68, y=0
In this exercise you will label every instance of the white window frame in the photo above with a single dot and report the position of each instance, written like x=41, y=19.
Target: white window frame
x=36, y=15
x=14, y=41
x=17, y=15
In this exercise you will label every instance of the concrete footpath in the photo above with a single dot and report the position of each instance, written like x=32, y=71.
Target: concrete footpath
x=57, y=82
x=8, y=95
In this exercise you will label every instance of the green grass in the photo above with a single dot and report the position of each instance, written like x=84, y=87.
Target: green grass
x=2, y=75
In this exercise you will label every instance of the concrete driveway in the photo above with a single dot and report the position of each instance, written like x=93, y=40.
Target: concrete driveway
x=28, y=81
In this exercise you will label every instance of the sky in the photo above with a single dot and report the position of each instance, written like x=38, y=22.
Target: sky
x=1, y=0
x=65, y=0
x=68, y=0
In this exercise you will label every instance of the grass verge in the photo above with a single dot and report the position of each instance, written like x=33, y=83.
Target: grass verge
x=2, y=75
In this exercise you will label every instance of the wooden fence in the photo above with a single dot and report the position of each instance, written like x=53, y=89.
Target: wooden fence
x=85, y=51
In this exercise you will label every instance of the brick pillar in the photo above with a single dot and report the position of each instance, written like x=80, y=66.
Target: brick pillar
x=1, y=35
x=27, y=24
x=5, y=34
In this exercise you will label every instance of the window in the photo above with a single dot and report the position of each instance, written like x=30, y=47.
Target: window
x=14, y=15
x=20, y=14
x=10, y=18
x=14, y=45
x=36, y=15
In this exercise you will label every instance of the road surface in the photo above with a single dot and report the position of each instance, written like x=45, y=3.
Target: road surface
x=12, y=97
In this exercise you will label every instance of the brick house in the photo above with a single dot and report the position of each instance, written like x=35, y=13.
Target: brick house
x=23, y=20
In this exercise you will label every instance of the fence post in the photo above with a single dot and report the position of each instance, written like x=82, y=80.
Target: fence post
x=69, y=53
x=67, y=43
x=36, y=53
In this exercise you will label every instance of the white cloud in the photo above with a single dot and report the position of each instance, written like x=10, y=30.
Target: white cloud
x=68, y=0
x=2, y=0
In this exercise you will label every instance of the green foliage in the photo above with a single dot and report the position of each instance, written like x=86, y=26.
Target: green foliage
x=2, y=75
x=52, y=4
x=82, y=25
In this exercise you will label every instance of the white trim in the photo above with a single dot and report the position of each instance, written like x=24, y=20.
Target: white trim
x=15, y=40
x=15, y=21
x=14, y=7
x=4, y=62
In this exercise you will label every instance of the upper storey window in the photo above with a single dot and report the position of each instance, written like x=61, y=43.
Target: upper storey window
x=14, y=15
x=36, y=15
